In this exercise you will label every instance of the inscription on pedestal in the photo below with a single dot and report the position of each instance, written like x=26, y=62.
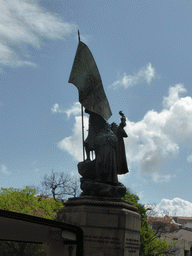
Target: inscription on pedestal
x=132, y=245
x=103, y=240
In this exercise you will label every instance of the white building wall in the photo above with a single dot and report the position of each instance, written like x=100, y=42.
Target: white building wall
x=188, y=225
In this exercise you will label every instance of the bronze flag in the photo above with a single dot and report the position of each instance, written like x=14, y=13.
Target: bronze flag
x=85, y=76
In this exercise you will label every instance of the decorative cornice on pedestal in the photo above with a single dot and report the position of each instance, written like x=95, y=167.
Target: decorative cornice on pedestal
x=100, y=201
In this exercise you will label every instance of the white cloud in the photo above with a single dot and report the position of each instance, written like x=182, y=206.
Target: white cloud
x=4, y=170
x=145, y=74
x=162, y=177
x=56, y=109
x=173, y=95
x=179, y=121
x=152, y=145
x=175, y=207
x=24, y=23
x=159, y=135
x=73, y=143
x=74, y=110
x=9, y=57
x=189, y=158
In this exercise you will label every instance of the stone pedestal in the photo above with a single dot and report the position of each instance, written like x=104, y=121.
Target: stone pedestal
x=111, y=227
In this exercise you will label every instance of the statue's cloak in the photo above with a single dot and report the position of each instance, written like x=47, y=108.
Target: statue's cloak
x=96, y=124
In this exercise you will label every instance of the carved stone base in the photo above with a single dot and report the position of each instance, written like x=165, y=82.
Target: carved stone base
x=111, y=226
x=100, y=201
x=93, y=188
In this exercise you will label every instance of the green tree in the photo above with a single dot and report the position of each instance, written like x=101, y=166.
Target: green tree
x=150, y=245
x=26, y=201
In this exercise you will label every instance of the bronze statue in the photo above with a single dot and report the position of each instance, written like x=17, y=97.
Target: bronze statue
x=99, y=175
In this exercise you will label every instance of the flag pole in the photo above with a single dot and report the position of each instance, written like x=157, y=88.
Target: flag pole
x=79, y=35
x=82, y=118
x=83, y=132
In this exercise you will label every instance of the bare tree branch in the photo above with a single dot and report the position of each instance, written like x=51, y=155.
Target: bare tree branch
x=60, y=184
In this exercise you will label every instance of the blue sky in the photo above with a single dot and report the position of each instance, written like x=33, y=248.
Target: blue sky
x=144, y=54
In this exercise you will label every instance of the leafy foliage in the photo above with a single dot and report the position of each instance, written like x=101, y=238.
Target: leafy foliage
x=150, y=245
x=25, y=201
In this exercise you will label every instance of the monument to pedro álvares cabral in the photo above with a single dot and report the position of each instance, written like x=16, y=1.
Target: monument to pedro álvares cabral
x=111, y=225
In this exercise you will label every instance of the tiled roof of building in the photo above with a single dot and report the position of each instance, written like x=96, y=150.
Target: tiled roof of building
x=166, y=220
x=185, y=218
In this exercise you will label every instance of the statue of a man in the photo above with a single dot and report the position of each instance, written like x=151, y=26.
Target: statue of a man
x=107, y=142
